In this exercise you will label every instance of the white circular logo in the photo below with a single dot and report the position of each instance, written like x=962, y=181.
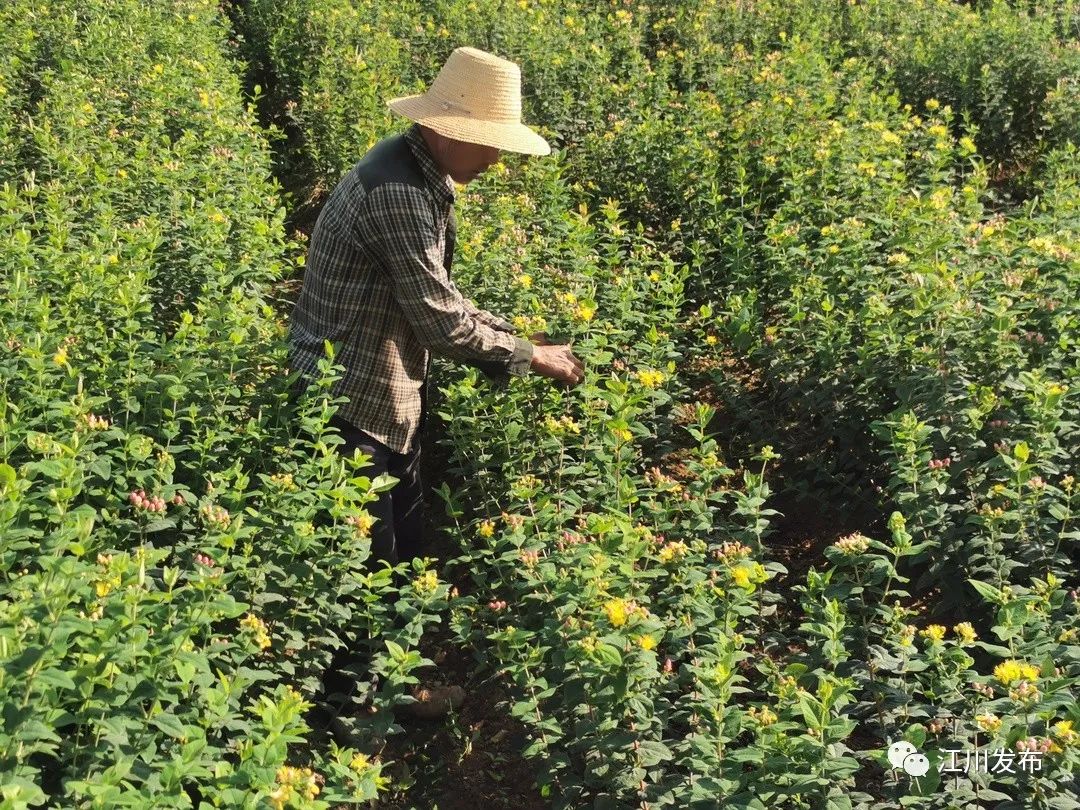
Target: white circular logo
x=898, y=751
x=916, y=764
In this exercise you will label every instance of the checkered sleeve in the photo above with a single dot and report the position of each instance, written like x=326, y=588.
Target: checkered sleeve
x=404, y=241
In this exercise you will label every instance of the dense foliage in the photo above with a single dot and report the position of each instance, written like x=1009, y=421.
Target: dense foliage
x=810, y=191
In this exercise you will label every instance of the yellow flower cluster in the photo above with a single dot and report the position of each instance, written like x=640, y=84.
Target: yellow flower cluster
x=486, y=529
x=426, y=583
x=360, y=763
x=258, y=627
x=362, y=522
x=650, y=378
x=293, y=781
x=934, y=632
x=283, y=480
x=988, y=722
x=748, y=576
x=103, y=587
x=1063, y=730
x=529, y=323
x=96, y=422
x=562, y=425
x=765, y=717
x=855, y=543
x=584, y=313
x=965, y=633
x=1008, y=672
x=616, y=610
x=647, y=642
x=673, y=551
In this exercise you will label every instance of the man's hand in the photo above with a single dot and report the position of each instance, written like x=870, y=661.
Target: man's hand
x=558, y=363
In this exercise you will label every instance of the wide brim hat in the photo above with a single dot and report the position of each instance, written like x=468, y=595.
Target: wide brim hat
x=476, y=98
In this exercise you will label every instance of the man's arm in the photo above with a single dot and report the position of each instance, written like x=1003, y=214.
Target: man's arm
x=406, y=246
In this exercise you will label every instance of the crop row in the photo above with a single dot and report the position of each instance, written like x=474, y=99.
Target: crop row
x=644, y=655
x=175, y=534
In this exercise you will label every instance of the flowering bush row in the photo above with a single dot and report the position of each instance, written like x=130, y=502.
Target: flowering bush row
x=182, y=550
x=829, y=230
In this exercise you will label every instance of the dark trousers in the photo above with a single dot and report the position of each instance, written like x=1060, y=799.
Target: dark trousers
x=397, y=535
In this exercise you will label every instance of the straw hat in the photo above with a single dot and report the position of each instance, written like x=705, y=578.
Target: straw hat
x=475, y=98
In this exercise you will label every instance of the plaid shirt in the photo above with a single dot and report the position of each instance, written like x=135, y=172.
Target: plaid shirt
x=377, y=285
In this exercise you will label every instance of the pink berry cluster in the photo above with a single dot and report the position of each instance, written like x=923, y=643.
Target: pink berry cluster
x=204, y=559
x=940, y=463
x=215, y=515
x=530, y=558
x=139, y=500
x=1035, y=337
x=569, y=538
x=497, y=605
x=998, y=423
x=96, y=422
x=731, y=550
x=669, y=665
x=1040, y=744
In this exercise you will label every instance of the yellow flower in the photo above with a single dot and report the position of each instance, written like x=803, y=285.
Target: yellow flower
x=426, y=582
x=616, y=612
x=988, y=722
x=361, y=521
x=965, y=632
x=650, y=378
x=525, y=280
x=671, y=551
x=1007, y=672
x=360, y=763
x=585, y=313
x=932, y=104
x=741, y=577
x=61, y=357
x=258, y=627
x=487, y=529
x=934, y=632
x=623, y=434
x=1064, y=731
x=647, y=642
x=711, y=340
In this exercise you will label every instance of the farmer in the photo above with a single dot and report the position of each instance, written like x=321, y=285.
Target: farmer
x=377, y=284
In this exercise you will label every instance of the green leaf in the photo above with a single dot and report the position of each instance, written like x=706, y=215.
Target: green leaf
x=56, y=678
x=170, y=724
x=396, y=651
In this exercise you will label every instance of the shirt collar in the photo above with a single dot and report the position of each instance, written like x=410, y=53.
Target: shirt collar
x=441, y=185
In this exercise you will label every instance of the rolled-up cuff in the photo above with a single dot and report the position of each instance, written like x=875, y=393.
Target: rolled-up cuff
x=504, y=325
x=521, y=360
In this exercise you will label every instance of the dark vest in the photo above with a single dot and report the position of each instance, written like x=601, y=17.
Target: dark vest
x=392, y=161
